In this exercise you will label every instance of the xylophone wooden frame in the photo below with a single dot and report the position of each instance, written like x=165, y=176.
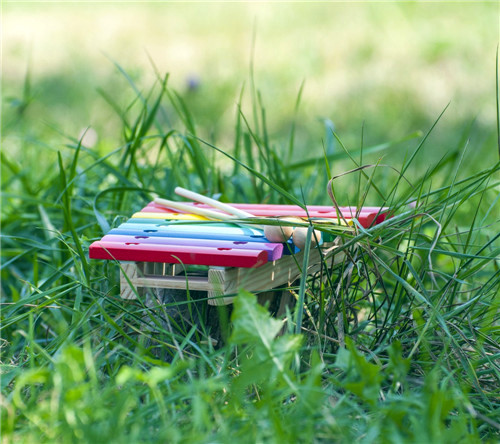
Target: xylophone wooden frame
x=222, y=283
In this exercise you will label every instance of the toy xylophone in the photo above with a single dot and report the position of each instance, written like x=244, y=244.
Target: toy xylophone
x=237, y=254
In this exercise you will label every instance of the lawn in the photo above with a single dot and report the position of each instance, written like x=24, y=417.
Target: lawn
x=108, y=105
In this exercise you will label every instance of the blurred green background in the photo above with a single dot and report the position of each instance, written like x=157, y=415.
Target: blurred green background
x=389, y=68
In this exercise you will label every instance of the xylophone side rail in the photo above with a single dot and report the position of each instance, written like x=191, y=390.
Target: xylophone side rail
x=227, y=281
x=223, y=283
x=132, y=278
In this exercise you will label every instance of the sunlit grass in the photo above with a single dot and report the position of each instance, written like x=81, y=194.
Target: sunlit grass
x=403, y=336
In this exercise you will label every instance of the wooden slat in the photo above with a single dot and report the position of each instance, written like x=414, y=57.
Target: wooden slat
x=137, y=280
x=365, y=218
x=271, y=275
x=274, y=250
x=195, y=283
x=223, y=283
x=130, y=270
x=278, y=210
x=178, y=254
x=366, y=215
x=168, y=216
x=274, y=207
x=208, y=231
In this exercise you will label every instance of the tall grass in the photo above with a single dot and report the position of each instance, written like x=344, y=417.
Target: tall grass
x=398, y=343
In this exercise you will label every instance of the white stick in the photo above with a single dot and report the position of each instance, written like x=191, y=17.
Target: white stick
x=193, y=209
x=212, y=202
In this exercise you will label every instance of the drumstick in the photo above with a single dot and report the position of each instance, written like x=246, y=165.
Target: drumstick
x=215, y=215
x=212, y=202
x=274, y=233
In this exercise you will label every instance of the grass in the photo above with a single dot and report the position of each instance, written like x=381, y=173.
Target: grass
x=399, y=343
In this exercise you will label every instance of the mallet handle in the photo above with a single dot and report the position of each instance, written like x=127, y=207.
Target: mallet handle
x=193, y=209
x=212, y=202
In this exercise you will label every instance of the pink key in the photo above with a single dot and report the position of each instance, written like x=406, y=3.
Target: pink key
x=274, y=250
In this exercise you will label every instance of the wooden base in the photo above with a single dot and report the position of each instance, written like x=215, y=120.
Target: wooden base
x=223, y=283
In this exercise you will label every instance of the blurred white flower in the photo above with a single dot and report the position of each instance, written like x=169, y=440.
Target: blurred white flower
x=88, y=137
